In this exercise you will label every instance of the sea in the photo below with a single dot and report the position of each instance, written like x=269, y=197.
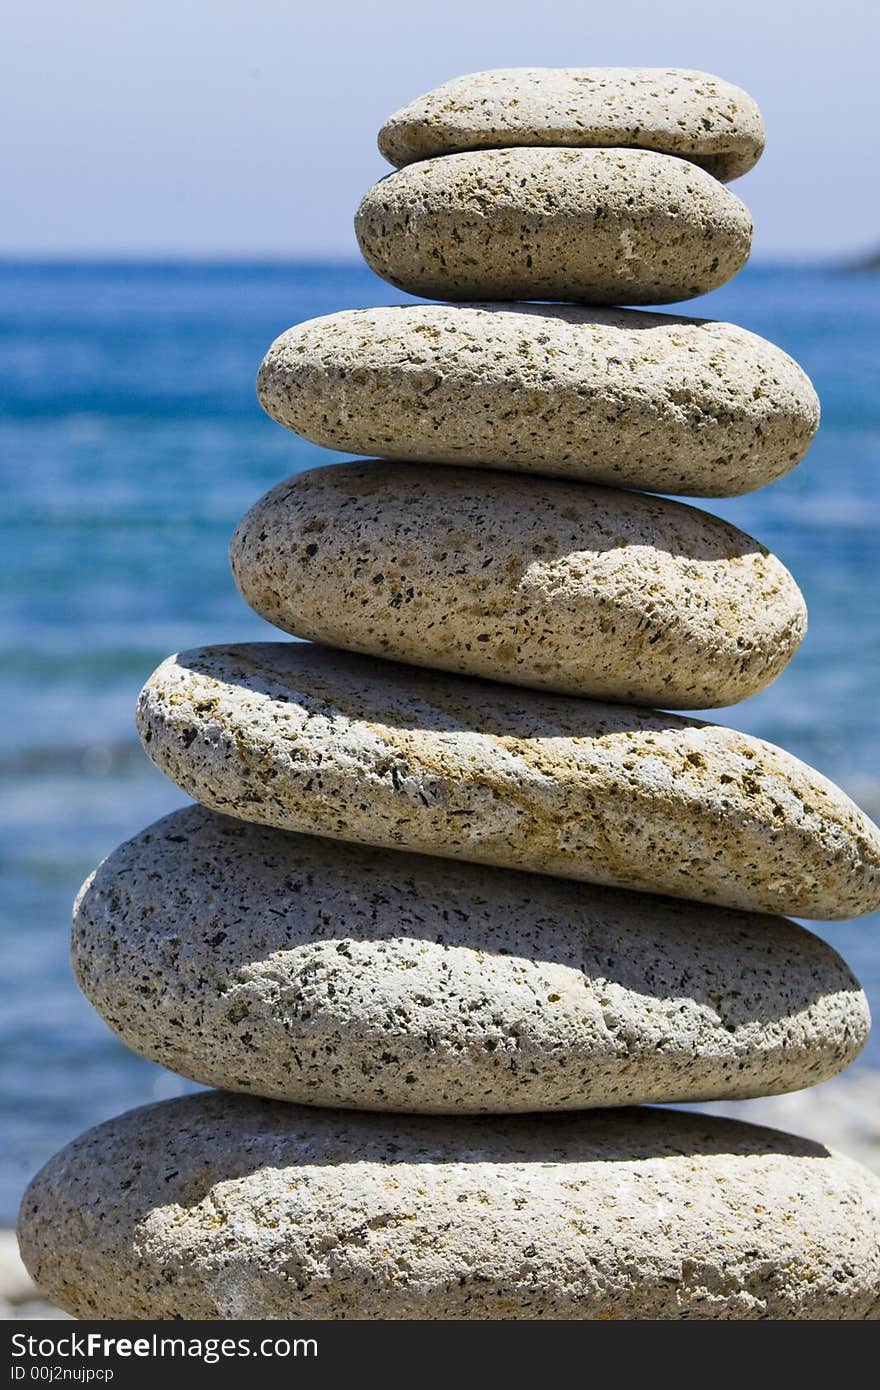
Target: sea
x=131, y=442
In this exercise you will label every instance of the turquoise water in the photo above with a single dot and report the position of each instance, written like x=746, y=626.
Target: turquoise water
x=130, y=445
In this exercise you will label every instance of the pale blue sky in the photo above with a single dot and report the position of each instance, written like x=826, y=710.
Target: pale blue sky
x=247, y=127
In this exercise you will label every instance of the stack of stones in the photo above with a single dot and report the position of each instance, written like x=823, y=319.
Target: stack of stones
x=431, y=918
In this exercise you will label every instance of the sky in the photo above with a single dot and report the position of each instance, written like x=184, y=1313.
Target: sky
x=247, y=128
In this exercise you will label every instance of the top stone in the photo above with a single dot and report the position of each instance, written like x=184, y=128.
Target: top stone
x=670, y=110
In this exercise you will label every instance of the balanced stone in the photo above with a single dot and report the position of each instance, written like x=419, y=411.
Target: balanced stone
x=315, y=740
x=218, y=1207
x=319, y=971
x=612, y=396
x=671, y=110
x=597, y=226
x=562, y=586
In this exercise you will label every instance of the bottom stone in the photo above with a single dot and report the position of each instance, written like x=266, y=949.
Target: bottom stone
x=222, y=1206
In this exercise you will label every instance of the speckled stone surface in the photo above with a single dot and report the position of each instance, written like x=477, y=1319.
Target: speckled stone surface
x=612, y=396
x=560, y=586
x=671, y=110
x=323, y=972
x=219, y=1206
x=315, y=740
x=595, y=226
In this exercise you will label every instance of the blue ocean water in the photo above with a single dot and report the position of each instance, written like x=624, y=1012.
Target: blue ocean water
x=131, y=443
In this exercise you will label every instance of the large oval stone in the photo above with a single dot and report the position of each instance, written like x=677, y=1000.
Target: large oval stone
x=593, y=226
x=319, y=971
x=672, y=110
x=561, y=586
x=219, y=1207
x=324, y=742
x=612, y=396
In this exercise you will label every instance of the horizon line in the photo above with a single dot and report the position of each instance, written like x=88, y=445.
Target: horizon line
x=268, y=260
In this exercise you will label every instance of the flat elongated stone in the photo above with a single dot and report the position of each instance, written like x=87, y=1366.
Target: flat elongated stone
x=593, y=226
x=321, y=741
x=671, y=110
x=319, y=971
x=218, y=1206
x=613, y=396
x=565, y=587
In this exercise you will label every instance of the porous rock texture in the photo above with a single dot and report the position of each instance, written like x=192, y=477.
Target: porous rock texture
x=613, y=396
x=561, y=586
x=219, y=1206
x=595, y=226
x=319, y=971
x=320, y=741
x=671, y=110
